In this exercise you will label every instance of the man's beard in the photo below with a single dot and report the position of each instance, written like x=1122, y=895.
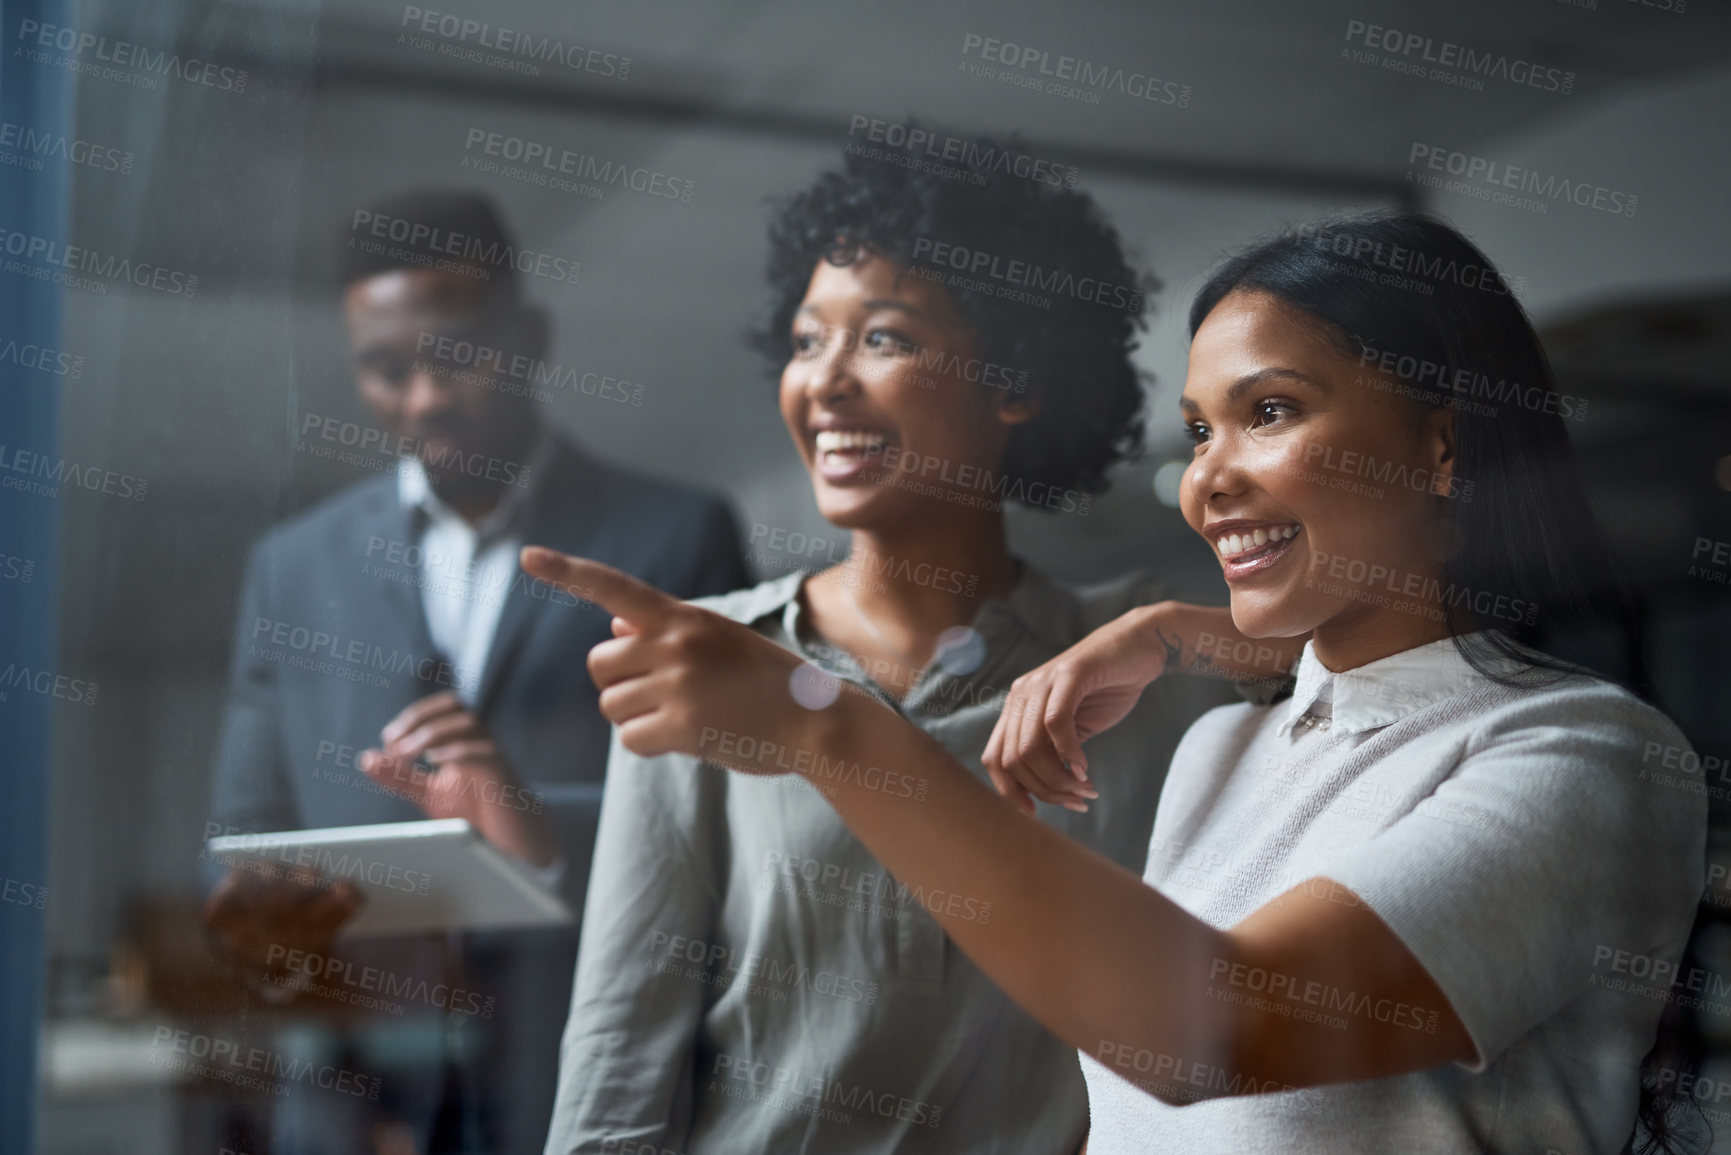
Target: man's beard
x=452, y=482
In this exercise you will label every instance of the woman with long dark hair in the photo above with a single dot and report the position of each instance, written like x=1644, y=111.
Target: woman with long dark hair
x=1431, y=902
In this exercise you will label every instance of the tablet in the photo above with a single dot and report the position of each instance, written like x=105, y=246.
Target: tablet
x=438, y=874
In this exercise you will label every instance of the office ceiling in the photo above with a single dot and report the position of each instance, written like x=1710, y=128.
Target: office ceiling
x=1275, y=93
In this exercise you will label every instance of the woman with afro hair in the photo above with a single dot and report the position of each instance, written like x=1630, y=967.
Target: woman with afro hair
x=750, y=978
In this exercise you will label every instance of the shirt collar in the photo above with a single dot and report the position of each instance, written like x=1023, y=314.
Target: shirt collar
x=1035, y=603
x=415, y=490
x=1378, y=693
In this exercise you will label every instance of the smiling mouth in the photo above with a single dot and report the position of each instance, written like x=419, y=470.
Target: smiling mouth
x=1254, y=544
x=841, y=448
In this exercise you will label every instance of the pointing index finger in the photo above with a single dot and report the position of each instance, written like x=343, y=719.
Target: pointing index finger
x=613, y=590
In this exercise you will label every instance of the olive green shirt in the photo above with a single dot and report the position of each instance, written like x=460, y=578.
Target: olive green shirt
x=750, y=979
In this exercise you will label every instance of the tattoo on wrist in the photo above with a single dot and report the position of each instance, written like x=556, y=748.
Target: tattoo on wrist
x=1199, y=663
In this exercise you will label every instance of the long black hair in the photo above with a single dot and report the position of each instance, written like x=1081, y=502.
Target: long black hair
x=1409, y=296
x=1413, y=298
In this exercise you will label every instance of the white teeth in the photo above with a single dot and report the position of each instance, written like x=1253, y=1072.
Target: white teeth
x=849, y=440
x=1233, y=544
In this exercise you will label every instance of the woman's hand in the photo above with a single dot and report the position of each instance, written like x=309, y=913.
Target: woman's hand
x=1090, y=687
x=677, y=679
x=1036, y=747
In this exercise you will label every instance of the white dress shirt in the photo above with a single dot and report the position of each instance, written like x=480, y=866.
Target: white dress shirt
x=467, y=571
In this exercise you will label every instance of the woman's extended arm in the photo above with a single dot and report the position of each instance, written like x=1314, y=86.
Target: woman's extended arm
x=1104, y=961
x=1110, y=964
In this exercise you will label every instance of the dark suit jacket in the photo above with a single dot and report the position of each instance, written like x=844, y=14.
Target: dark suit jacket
x=331, y=642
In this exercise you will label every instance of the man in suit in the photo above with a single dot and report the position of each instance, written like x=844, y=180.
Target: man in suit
x=392, y=663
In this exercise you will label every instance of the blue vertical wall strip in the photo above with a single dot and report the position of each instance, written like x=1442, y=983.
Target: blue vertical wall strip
x=36, y=204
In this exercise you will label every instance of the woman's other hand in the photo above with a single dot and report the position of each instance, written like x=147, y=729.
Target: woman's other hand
x=1036, y=748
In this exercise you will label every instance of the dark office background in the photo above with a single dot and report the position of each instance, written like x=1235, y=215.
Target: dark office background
x=251, y=192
